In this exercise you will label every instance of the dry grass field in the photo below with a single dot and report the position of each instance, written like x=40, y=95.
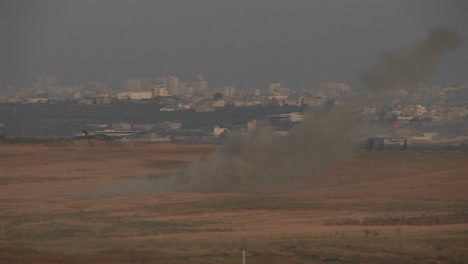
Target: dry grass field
x=96, y=202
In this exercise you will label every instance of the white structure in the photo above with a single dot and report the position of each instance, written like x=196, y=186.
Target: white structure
x=296, y=117
x=405, y=118
x=420, y=110
x=217, y=131
x=166, y=109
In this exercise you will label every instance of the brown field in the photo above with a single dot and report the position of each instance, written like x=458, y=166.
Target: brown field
x=93, y=202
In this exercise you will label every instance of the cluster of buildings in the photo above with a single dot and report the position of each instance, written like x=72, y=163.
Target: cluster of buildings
x=180, y=94
x=418, y=112
x=437, y=106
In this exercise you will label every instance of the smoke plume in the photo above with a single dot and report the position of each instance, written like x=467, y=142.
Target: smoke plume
x=323, y=138
x=249, y=161
x=406, y=68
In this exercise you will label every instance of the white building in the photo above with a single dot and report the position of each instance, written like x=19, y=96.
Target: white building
x=296, y=117
x=420, y=110
x=218, y=131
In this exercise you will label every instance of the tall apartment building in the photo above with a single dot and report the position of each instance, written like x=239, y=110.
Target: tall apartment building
x=229, y=91
x=173, y=85
x=185, y=89
x=200, y=85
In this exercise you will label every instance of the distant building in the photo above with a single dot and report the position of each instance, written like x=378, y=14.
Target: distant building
x=200, y=85
x=252, y=102
x=135, y=95
x=185, y=89
x=229, y=91
x=239, y=103
x=184, y=106
x=104, y=100
x=219, y=103
x=255, y=91
x=173, y=85
x=296, y=117
x=161, y=92
x=405, y=118
x=218, y=131
x=251, y=125
x=148, y=84
x=167, y=109
x=273, y=86
x=420, y=110
x=276, y=89
x=37, y=100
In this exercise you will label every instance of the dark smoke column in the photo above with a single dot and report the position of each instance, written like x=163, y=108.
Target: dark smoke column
x=406, y=68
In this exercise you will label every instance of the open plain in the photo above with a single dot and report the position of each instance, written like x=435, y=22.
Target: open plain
x=98, y=202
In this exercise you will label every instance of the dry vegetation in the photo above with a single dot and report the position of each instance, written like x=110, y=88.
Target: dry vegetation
x=94, y=202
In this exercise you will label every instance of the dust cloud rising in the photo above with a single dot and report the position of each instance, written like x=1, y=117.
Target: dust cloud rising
x=323, y=138
x=407, y=67
x=252, y=160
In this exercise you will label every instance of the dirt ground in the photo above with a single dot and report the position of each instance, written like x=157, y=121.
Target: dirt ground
x=98, y=202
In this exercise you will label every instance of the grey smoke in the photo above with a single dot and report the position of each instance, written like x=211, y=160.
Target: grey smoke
x=322, y=139
x=407, y=67
x=249, y=161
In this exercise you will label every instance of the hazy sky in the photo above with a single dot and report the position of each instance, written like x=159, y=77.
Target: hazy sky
x=230, y=42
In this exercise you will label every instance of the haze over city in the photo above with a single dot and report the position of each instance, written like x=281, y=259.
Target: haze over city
x=298, y=43
x=215, y=131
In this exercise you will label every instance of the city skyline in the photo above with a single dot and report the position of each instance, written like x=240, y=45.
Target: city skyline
x=298, y=43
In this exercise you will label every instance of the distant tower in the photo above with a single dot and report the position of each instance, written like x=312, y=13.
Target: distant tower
x=200, y=85
x=173, y=85
x=185, y=89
